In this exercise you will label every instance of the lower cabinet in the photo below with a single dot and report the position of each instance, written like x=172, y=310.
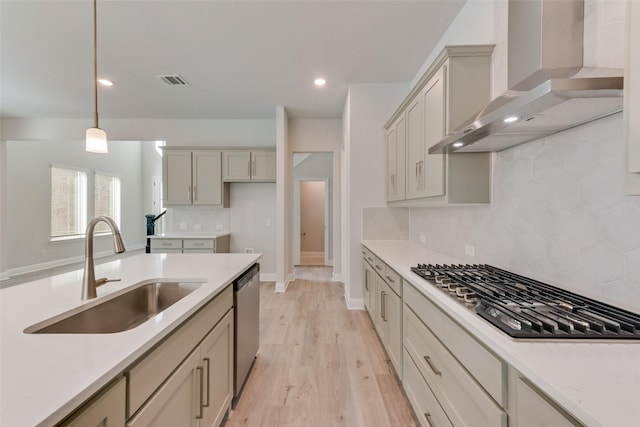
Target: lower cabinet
x=369, y=289
x=107, y=409
x=218, y=244
x=198, y=393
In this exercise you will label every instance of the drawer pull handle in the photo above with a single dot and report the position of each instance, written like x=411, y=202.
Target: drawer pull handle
x=198, y=244
x=390, y=279
x=378, y=268
x=208, y=361
x=427, y=415
x=201, y=406
x=432, y=366
x=383, y=303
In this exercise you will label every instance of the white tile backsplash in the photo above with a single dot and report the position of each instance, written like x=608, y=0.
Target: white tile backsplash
x=558, y=214
x=207, y=218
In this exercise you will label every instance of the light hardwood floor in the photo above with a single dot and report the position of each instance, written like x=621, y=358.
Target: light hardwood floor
x=319, y=364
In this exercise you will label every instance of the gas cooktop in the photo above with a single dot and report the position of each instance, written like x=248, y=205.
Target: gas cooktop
x=526, y=308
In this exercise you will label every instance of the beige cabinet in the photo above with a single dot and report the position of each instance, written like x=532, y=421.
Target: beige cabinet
x=193, y=178
x=455, y=87
x=396, y=167
x=211, y=245
x=107, y=409
x=369, y=289
x=530, y=407
x=248, y=166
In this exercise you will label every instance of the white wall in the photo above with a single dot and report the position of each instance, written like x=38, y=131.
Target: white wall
x=368, y=108
x=252, y=221
x=316, y=136
x=3, y=214
x=28, y=207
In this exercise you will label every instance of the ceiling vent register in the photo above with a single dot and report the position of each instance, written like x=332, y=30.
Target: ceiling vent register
x=175, y=80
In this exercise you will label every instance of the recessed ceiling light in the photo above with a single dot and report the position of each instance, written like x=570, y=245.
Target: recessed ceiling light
x=510, y=119
x=105, y=82
x=458, y=144
x=320, y=82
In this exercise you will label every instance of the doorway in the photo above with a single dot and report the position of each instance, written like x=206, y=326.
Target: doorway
x=312, y=194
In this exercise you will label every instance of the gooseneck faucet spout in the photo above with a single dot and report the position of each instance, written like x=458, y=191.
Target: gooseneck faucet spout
x=89, y=282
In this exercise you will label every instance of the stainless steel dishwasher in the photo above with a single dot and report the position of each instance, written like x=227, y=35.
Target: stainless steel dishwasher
x=246, y=298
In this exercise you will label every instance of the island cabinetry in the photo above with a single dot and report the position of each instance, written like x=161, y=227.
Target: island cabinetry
x=193, y=178
x=469, y=387
x=454, y=88
x=106, y=409
x=187, y=379
x=248, y=166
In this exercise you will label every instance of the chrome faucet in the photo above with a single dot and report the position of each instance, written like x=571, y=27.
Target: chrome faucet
x=89, y=282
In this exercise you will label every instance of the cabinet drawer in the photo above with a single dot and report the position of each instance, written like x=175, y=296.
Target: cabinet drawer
x=463, y=399
x=166, y=243
x=199, y=244
x=426, y=406
x=534, y=408
x=378, y=266
x=147, y=375
x=393, y=279
x=486, y=368
x=368, y=256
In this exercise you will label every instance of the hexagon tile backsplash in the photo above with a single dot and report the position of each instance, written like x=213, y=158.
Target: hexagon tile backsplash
x=558, y=214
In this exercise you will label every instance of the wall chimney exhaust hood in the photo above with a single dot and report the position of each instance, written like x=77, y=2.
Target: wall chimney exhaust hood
x=550, y=90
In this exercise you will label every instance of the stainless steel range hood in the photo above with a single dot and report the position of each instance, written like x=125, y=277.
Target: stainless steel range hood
x=550, y=90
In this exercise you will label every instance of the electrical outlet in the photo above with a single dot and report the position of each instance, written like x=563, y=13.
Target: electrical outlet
x=470, y=250
x=44, y=252
x=268, y=222
x=249, y=250
x=197, y=226
x=219, y=227
x=423, y=238
x=183, y=226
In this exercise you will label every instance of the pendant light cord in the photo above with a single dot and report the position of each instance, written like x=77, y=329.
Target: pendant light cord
x=95, y=64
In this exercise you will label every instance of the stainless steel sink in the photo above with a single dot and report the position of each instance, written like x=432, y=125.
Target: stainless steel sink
x=120, y=313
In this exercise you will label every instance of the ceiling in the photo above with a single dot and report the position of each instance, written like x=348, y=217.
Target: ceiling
x=240, y=58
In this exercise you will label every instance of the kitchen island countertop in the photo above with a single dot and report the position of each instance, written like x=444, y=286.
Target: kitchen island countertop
x=44, y=377
x=597, y=382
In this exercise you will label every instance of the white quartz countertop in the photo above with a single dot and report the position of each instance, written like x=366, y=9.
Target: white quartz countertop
x=43, y=377
x=188, y=235
x=597, y=382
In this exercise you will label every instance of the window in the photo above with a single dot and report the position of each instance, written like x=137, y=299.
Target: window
x=68, y=202
x=106, y=199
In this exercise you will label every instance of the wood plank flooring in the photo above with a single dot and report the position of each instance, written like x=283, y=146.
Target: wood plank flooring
x=319, y=364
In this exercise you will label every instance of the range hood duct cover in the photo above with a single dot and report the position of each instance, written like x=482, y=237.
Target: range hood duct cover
x=549, y=89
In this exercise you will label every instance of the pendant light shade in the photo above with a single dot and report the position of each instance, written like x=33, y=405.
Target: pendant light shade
x=96, y=138
x=96, y=141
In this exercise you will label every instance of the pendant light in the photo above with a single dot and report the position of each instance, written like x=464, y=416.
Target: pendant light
x=96, y=138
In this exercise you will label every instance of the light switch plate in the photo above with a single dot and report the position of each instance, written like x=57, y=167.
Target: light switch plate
x=469, y=250
x=219, y=227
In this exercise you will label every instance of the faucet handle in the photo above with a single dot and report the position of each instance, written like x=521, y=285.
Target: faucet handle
x=103, y=280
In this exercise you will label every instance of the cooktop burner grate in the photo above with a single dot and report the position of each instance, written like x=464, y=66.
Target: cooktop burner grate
x=526, y=308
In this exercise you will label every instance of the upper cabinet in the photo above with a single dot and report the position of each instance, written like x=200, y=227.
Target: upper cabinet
x=193, y=178
x=245, y=166
x=455, y=87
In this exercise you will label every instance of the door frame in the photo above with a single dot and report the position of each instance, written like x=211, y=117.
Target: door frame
x=296, y=215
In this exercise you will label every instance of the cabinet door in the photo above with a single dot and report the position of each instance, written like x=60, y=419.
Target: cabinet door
x=415, y=149
x=176, y=178
x=263, y=165
x=217, y=362
x=207, y=178
x=396, y=162
x=393, y=317
x=433, y=107
x=533, y=409
x=105, y=410
x=236, y=166
x=369, y=289
x=178, y=401
x=382, y=326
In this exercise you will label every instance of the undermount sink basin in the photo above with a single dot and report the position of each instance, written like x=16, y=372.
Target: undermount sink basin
x=120, y=313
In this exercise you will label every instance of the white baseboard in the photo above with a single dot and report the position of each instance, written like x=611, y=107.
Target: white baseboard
x=62, y=262
x=337, y=277
x=267, y=277
x=282, y=286
x=354, y=303
x=3, y=276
